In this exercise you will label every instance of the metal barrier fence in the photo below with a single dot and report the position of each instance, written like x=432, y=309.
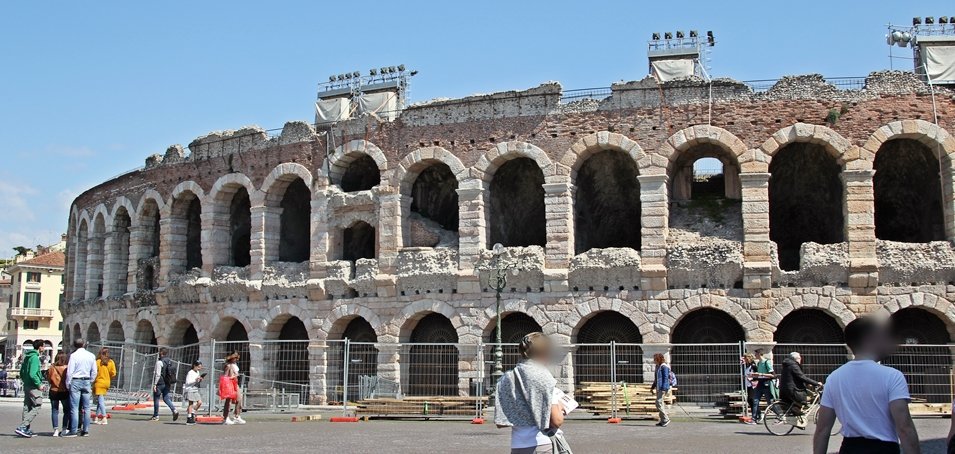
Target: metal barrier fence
x=283, y=374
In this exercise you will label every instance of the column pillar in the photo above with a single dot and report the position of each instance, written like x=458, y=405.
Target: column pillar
x=649, y=367
x=389, y=359
x=263, y=235
x=654, y=224
x=559, y=249
x=859, y=218
x=94, y=266
x=110, y=261
x=318, y=372
x=389, y=239
x=139, y=248
x=472, y=233
x=318, y=245
x=757, y=266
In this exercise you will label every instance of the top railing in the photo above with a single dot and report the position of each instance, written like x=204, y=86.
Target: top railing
x=758, y=86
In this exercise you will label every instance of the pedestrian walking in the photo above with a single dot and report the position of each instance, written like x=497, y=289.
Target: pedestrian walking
x=32, y=394
x=190, y=389
x=229, y=390
x=17, y=383
x=765, y=386
x=869, y=399
x=80, y=374
x=661, y=384
x=164, y=378
x=526, y=399
x=749, y=372
x=106, y=372
x=3, y=380
x=59, y=393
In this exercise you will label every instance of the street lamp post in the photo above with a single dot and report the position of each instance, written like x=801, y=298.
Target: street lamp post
x=498, y=280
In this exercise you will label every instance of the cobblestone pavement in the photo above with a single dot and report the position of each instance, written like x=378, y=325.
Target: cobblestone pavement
x=268, y=433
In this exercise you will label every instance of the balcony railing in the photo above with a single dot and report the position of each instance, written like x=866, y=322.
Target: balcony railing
x=29, y=312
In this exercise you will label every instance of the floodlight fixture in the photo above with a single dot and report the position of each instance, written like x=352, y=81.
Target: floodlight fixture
x=710, y=39
x=413, y=72
x=916, y=21
x=384, y=70
x=391, y=69
x=401, y=68
x=655, y=37
x=667, y=35
x=694, y=34
x=356, y=74
x=679, y=35
x=373, y=72
x=943, y=19
x=331, y=78
x=929, y=20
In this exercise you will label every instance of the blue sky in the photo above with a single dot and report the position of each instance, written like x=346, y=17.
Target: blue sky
x=89, y=89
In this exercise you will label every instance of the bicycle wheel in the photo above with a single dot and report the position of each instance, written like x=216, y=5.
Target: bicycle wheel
x=777, y=420
x=836, y=426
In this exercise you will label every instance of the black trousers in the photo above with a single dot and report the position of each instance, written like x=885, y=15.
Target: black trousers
x=859, y=445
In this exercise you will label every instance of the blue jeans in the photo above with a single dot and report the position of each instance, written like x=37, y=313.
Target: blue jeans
x=101, y=405
x=758, y=393
x=80, y=404
x=58, y=399
x=162, y=391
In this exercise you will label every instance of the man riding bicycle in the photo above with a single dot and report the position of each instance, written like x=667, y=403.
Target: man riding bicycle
x=792, y=384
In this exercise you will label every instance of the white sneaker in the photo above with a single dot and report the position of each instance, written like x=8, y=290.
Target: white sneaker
x=239, y=420
x=229, y=421
x=105, y=421
x=56, y=432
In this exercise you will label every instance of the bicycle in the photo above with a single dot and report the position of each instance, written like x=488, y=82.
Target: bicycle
x=781, y=417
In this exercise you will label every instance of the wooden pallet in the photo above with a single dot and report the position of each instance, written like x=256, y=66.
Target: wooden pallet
x=632, y=400
x=927, y=409
x=421, y=406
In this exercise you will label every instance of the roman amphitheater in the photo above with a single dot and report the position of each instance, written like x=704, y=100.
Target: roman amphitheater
x=835, y=200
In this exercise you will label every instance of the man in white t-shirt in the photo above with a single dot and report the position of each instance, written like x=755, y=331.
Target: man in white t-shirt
x=869, y=399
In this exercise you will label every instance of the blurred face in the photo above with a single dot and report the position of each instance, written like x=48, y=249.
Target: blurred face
x=883, y=344
x=798, y=359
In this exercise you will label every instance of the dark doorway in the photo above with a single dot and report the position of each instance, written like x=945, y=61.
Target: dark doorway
x=517, y=205
x=607, y=205
x=295, y=232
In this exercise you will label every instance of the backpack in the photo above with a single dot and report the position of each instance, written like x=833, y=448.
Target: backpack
x=168, y=375
x=672, y=378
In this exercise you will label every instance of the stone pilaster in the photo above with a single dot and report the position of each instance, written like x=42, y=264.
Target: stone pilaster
x=266, y=226
x=859, y=213
x=472, y=232
x=654, y=224
x=389, y=356
x=320, y=241
x=94, y=266
x=139, y=248
x=389, y=239
x=648, y=365
x=559, y=212
x=215, y=240
x=757, y=268
x=318, y=372
x=111, y=251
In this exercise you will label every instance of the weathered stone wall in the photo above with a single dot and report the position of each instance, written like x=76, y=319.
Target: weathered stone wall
x=726, y=262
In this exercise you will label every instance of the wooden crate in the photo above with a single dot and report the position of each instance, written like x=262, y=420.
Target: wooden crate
x=632, y=400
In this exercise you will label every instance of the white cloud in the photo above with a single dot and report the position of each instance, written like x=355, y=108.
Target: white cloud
x=66, y=197
x=14, y=201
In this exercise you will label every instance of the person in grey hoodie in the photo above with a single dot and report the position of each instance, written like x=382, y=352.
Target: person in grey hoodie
x=525, y=399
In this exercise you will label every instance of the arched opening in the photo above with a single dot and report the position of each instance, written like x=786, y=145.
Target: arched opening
x=358, y=242
x=514, y=327
x=805, y=200
x=296, y=221
x=923, y=355
x=361, y=174
x=817, y=336
x=116, y=332
x=148, y=281
x=705, y=193
x=591, y=359
x=118, y=255
x=77, y=332
x=145, y=336
x=92, y=334
x=516, y=208
x=432, y=366
x=908, y=191
x=147, y=258
x=240, y=228
x=291, y=357
x=362, y=357
x=185, y=349
x=607, y=202
x=94, y=259
x=434, y=206
x=79, y=272
x=185, y=233
x=705, y=354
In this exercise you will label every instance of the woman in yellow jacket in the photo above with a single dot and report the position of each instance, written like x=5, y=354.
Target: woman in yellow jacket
x=105, y=373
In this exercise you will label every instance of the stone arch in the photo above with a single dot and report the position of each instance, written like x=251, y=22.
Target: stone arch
x=183, y=238
x=688, y=145
x=222, y=325
x=806, y=192
x=587, y=310
x=403, y=323
x=575, y=156
x=934, y=304
x=101, y=211
x=348, y=152
x=514, y=173
x=179, y=331
x=832, y=141
x=77, y=331
x=924, y=355
x=432, y=365
x=145, y=245
x=230, y=204
x=336, y=321
x=145, y=332
x=831, y=306
x=151, y=195
x=677, y=312
x=280, y=314
x=231, y=332
x=809, y=326
x=714, y=334
x=115, y=333
x=123, y=202
x=432, y=174
x=117, y=256
x=95, y=254
x=606, y=202
x=593, y=337
x=290, y=357
x=288, y=212
x=942, y=147
x=92, y=334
